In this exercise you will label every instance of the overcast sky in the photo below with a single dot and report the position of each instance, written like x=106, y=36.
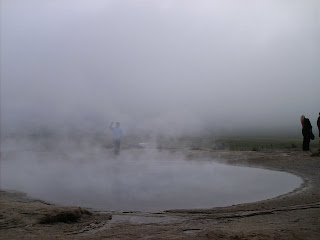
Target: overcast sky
x=181, y=64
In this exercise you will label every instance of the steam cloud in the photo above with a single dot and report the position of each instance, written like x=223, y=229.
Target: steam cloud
x=162, y=66
x=168, y=67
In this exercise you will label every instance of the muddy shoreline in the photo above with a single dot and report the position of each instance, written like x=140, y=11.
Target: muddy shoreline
x=295, y=215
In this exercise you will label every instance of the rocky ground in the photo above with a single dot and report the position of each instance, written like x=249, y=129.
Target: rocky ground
x=295, y=215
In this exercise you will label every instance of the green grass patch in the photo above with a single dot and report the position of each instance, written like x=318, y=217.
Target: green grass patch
x=261, y=143
x=237, y=143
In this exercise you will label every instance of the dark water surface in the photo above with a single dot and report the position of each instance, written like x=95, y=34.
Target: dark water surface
x=138, y=180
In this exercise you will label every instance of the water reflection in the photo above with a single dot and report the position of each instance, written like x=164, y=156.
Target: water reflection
x=138, y=180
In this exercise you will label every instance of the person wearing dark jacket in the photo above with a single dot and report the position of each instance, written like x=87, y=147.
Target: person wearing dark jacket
x=318, y=123
x=306, y=132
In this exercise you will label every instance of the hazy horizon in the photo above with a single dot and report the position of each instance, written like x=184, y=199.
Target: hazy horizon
x=169, y=67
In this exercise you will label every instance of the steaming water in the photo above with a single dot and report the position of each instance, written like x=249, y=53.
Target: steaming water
x=138, y=180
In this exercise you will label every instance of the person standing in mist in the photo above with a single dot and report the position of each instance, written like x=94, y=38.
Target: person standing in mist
x=318, y=124
x=306, y=132
x=116, y=136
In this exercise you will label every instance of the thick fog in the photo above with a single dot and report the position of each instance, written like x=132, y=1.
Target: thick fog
x=174, y=66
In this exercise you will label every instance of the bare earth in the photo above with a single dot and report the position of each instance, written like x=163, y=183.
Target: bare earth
x=295, y=215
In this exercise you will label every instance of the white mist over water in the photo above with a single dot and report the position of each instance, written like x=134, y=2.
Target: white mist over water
x=160, y=67
x=143, y=180
x=168, y=66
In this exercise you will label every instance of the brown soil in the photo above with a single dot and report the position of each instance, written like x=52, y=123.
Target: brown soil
x=295, y=215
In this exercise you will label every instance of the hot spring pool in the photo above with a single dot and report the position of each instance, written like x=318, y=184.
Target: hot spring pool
x=138, y=180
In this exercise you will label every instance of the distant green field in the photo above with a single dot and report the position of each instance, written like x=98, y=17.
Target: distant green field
x=209, y=141
x=236, y=143
x=260, y=143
